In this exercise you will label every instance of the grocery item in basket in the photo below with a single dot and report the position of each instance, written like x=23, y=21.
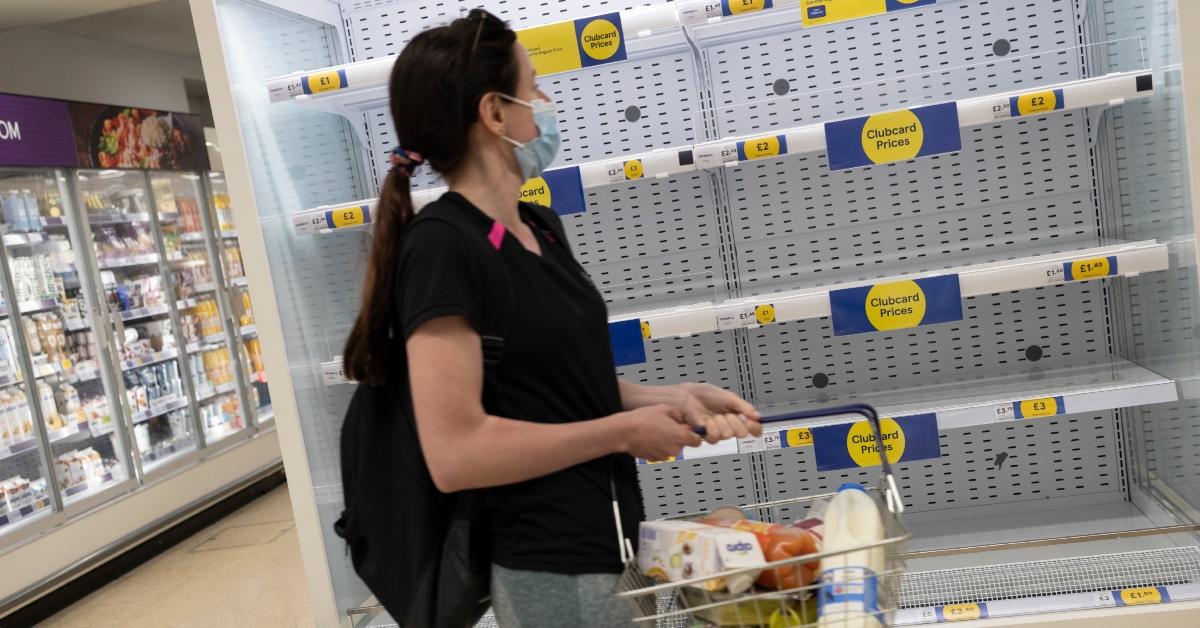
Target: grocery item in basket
x=849, y=593
x=681, y=550
x=782, y=611
x=778, y=542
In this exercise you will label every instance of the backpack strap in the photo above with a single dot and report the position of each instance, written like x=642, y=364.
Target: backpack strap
x=500, y=297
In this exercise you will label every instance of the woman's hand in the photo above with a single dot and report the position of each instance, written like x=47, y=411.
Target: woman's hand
x=722, y=414
x=656, y=432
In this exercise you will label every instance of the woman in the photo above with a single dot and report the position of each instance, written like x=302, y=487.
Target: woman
x=464, y=99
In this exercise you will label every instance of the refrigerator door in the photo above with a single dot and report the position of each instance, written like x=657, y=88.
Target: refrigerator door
x=118, y=215
x=180, y=206
x=257, y=391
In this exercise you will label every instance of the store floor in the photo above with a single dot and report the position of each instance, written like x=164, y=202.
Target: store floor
x=245, y=570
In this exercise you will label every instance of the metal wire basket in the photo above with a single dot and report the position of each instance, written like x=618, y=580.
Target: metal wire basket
x=688, y=603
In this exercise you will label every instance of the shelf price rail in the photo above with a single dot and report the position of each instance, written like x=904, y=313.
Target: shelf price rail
x=1110, y=90
x=371, y=76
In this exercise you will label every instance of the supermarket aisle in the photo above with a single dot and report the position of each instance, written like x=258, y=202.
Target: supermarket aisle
x=242, y=571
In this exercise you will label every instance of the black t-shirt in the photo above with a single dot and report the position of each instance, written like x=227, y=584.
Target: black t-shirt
x=557, y=367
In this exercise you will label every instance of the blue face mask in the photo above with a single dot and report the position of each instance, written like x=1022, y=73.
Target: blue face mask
x=533, y=156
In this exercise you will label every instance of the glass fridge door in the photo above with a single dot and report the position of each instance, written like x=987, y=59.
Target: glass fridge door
x=179, y=203
x=257, y=390
x=118, y=217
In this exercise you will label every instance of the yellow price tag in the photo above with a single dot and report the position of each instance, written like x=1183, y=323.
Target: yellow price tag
x=742, y=7
x=764, y=313
x=645, y=330
x=1091, y=268
x=1036, y=408
x=764, y=147
x=1140, y=596
x=347, y=217
x=634, y=169
x=961, y=612
x=324, y=82
x=798, y=437
x=1037, y=102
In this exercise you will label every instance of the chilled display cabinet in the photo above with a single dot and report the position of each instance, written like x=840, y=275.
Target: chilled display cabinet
x=119, y=360
x=238, y=293
x=976, y=215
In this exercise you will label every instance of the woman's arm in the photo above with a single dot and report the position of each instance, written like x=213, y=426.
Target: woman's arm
x=722, y=413
x=467, y=448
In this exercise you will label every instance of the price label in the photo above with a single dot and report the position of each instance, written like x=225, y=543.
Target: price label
x=737, y=318
x=1004, y=412
x=1143, y=595
x=348, y=216
x=796, y=437
x=1038, y=408
x=333, y=373
x=715, y=155
x=1054, y=273
x=1090, y=268
x=328, y=81
x=700, y=12
x=743, y=7
x=286, y=89
x=1104, y=599
x=628, y=170
x=771, y=440
x=308, y=224
x=646, y=330
x=749, y=444
x=963, y=612
x=762, y=147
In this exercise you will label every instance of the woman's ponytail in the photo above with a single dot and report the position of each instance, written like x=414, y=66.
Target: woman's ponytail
x=436, y=85
x=368, y=344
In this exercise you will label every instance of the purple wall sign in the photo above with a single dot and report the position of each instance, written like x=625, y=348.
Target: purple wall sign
x=35, y=132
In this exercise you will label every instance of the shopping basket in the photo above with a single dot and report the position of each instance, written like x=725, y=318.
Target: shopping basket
x=686, y=603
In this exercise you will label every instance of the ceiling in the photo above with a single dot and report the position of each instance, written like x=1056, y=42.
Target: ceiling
x=17, y=13
x=165, y=26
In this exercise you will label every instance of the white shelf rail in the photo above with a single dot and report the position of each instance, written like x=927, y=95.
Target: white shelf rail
x=1100, y=387
x=1111, y=90
x=1131, y=258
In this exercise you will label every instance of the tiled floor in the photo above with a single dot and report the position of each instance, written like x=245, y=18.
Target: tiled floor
x=243, y=571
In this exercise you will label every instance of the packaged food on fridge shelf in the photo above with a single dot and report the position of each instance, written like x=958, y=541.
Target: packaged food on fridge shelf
x=682, y=550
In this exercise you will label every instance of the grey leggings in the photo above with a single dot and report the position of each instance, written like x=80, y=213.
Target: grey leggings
x=536, y=599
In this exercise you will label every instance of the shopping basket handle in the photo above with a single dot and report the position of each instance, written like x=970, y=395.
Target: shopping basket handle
x=891, y=492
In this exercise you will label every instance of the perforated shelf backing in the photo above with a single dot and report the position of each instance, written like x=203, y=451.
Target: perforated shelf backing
x=996, y=333
x=1026, y=462
x=832, y=73
x=692, y=486
x=603, y=111
x=1024, y=185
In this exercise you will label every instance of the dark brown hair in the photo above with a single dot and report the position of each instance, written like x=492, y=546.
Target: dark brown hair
x=434, y=93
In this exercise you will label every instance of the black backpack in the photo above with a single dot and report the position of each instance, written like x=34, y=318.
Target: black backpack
x=423, y=553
